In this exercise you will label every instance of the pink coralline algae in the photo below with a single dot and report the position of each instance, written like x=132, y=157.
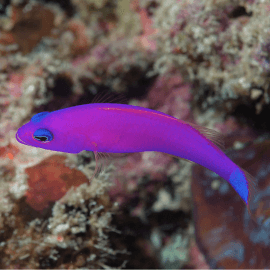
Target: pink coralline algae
x=146, y=40
x=49, y=181
x=15, y=84
x=81, y=41
x=8, y=151
x=197, y=260
x=225, y=232
x=171, y=95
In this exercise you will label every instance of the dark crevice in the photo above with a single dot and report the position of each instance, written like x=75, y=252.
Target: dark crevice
x=238, y=12
x=3, y=6
x=62, y=86
x=66, y=5
x=246, y=113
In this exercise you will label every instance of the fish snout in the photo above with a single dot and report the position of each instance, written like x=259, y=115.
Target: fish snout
x=19, y=136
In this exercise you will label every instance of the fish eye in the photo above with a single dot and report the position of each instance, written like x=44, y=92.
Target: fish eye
x=43, y=135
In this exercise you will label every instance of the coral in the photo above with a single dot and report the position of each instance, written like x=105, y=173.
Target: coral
x=111, y=67
x=81, y=41
x=15, y=84
x=9, y=151
x=7, y=173
x=175, y=253
x=196, y=60
x=171, y=95
x=76, y=235
x=99, y=9
x=221, y=44
x=146, y=40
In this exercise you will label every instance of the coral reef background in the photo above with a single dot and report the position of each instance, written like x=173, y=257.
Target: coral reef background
x=202, y=61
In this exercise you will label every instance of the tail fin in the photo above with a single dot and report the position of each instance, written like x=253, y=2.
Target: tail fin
x=246, y=186
x=252, y=191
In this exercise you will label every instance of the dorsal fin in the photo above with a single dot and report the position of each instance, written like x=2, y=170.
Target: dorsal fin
x=212, y=135
x=109, y=97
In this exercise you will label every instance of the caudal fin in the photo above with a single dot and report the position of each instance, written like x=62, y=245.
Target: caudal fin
x=252, y=191
x=246, y=186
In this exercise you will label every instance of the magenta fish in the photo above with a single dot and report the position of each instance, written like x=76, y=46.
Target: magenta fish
x=119, y=128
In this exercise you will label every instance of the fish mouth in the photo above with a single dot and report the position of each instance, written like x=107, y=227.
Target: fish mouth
x=19, y=139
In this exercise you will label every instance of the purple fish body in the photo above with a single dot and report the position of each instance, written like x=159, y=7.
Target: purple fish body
x=118, y=128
